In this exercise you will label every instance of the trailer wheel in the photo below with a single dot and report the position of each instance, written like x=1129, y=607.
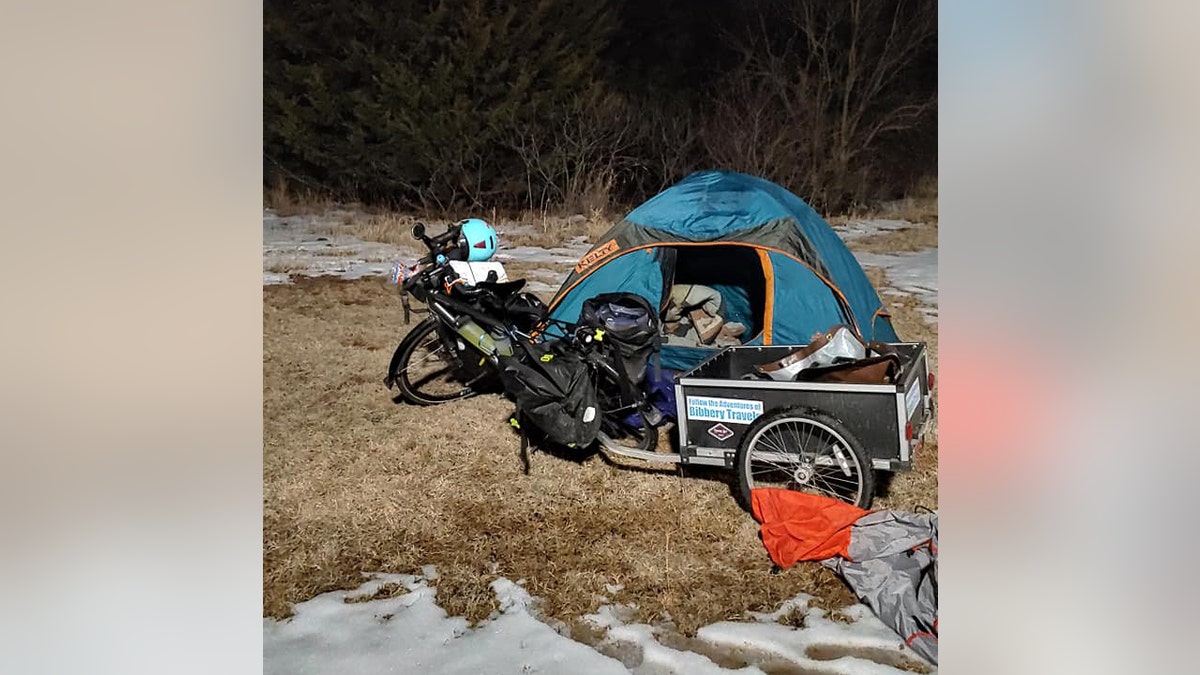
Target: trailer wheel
x=805, y=450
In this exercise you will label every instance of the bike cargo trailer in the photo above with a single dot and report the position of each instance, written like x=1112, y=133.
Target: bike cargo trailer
x=718, y=401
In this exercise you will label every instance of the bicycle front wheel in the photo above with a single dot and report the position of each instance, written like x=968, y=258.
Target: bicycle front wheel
x=428, y=372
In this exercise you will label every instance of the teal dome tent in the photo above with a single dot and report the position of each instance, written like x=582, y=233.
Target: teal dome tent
x=781, y=269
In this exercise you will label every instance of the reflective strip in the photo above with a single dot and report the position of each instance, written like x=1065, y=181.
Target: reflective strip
x=919, y=634
x=782, y=457
x=681, y=416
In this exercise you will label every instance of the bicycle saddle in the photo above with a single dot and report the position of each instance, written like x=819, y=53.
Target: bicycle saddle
x=501, y=289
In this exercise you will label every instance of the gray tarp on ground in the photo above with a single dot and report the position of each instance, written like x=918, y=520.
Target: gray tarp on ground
x=893, y=569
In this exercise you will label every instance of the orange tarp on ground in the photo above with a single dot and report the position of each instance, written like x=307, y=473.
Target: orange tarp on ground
x=798, y=526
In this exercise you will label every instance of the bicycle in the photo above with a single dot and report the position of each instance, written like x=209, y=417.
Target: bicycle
x=454, y=353
x=457, y=351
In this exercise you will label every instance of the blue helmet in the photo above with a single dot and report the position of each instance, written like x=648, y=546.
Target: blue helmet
x=479, y=239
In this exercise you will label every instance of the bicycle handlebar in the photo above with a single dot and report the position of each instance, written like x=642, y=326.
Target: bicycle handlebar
x=438, y=244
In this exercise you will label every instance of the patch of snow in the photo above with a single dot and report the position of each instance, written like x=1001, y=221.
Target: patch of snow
x=568, y=255
x=909, y=274
x=852, y=642
x=545, y=280
x=511, y=596
x=853, y=648
x=536, y=286
x=344, y=632
x=640, y=649
x=507, y=230
x=613, y=589
x=378, y=581
x=797, y=603
x=412, y=634
x=861, y=229
x=651, y=656
x=430, y=572
x=610, y=616
x=309, y=246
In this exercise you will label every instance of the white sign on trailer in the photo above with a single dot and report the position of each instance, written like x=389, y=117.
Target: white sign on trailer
x=728, y=410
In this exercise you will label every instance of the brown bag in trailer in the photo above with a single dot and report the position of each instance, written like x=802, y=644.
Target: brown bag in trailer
x=837, y=355
x=883, y=369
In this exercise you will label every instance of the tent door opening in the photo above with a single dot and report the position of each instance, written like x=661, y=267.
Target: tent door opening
x=735, y=273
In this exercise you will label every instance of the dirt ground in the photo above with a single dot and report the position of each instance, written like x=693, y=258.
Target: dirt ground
x=354, y=483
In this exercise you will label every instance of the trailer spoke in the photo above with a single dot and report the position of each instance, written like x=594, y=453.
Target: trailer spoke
x=804, y=454
x=781, y=448
x=834, y=481
x=776, y=459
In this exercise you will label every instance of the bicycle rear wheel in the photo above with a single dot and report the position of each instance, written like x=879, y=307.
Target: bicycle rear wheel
x=623, y=426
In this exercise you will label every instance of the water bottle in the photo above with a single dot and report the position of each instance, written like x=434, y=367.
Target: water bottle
x=475, y=335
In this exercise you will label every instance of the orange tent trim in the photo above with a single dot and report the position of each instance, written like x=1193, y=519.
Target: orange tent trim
x=769, y=311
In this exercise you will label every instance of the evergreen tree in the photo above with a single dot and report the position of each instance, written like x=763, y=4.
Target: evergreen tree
x=417, y=101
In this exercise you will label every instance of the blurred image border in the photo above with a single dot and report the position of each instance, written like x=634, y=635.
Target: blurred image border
x=133, y=345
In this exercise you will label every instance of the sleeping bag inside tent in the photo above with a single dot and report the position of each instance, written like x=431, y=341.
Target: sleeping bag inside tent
x=737, y=245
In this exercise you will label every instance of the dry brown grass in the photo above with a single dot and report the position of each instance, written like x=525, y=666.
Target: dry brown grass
x=536, y=229
x=551, y=231
x=353, y=482
x=919, y=206
x=916, y=238
x=918, y=487
x=913, y=209
x=388, y=228
x=287, y=266
x=287, y=201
